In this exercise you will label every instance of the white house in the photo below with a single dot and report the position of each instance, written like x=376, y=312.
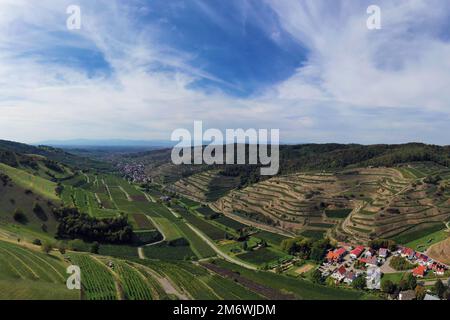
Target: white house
x=373, y=278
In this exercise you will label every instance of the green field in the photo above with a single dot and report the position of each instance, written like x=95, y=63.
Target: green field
x=28, y=181
x=303, y=289
x=97, y=281
x=423, y=243
x=418, y=234
x=199, y=283
x=163, y=251
x=338, y=213
x=30, y=275
x=260, y=256
x=313, y=234
x=271, y=238
x=230, y=223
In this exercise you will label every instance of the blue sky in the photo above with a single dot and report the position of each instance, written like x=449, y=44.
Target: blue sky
x=142, y=68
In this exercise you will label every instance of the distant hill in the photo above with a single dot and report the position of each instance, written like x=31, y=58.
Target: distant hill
x=11, y=152
x=79, y=143
x=303, y=157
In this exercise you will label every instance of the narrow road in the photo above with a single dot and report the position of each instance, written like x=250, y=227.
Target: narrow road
x=257, y=225
x=141, y=253
x=219, y=252
x=432, y=282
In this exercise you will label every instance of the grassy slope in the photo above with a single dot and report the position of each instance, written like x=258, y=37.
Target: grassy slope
x=26, y=180
x=28, y=274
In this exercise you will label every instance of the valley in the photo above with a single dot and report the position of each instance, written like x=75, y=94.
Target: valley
x=205, y=232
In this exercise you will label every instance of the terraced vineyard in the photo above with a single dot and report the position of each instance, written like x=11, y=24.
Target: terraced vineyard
x=206, y=186
x=133, y=282
x=354, y=204
x=197, y=283
x=97, y=281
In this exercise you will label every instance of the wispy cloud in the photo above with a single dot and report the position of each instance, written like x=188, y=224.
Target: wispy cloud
x=119, y=77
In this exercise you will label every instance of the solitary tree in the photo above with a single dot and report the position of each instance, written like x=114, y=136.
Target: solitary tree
x=359, y=282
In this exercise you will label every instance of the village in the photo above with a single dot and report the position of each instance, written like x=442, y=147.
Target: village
x=346, y=263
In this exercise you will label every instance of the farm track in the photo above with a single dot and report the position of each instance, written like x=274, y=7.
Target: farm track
x=126, y=194
x=166, y=284
x=218, y=251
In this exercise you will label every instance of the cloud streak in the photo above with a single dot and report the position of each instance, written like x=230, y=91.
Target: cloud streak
x=354, y=85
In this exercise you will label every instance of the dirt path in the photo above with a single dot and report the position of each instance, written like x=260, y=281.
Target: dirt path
x=87, y=177
x=125, y=193
x=166, y=284
x=258, y=225
x=119, y=291
x=149, y=197
x=141, y=253
x=219, y=252
x=386, y=268
x=432, y=282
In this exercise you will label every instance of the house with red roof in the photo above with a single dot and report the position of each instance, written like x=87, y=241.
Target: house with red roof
x=370, y=262
x=420, y=271
x=339, y=274
x=336, y=255
x=355, y=253
x=408, y=253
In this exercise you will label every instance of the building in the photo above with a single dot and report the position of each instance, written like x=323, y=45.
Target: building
x=373, y=278
x=370, y=262
x=383, y=253
x=408, y=253
x=336, y=255
x=349, y=277
x=420, y=271
x=165, y=198
x=355, y=253
x=369, y=253
x=339, y=274
x=407, y=295
x=422, y=259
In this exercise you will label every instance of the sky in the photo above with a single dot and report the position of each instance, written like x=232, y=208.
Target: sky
x=139, y=69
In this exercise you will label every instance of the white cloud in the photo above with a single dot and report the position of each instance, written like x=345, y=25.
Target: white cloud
x=353, y=83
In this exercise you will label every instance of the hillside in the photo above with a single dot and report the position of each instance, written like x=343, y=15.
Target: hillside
x=345, y=191
x=12, y=152
x=358, y=204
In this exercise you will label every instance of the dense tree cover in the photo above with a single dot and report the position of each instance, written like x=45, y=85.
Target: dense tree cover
x=434, y=179
x=76, y=225
x=376, y=244
x=5, y=179
x=359, y=283
x=306, y=248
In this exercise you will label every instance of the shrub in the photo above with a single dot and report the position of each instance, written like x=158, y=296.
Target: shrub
x=400, y=264
x=20, y=216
